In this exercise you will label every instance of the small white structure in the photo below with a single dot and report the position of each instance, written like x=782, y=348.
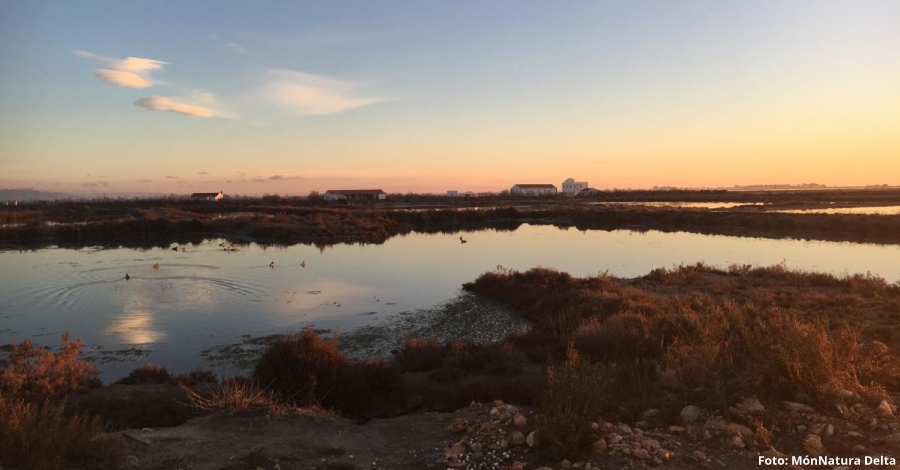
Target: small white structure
x=453, y=193
x=209, y=196
x=571, y=187
x=355, y=195
x=588, y=192
x=533, y=190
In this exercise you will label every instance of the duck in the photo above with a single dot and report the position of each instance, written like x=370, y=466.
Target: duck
x=174, y=248
x=272, y=265
x=156, y=266
x=461, y=239
x=303, y=264
x=127, y=277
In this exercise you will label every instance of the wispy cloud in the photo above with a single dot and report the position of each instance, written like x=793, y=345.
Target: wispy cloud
x=236, y=48
x=309, y=95
x=131, y=72
x=202, y=173
x=143, y=180
x=170, y=177
x=162, y=103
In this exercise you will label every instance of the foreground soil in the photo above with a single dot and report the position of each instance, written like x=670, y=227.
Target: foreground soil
x=495, y=436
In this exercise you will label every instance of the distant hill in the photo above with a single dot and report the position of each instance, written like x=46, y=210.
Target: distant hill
x=31, y=195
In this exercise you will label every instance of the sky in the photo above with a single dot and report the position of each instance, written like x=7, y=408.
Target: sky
x=288, y=97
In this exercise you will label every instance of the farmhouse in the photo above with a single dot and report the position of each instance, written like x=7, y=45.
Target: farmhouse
x=571, y=187
x=209, y=196
x=533, y=190
x=355, y=195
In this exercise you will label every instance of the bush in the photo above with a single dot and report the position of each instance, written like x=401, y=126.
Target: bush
x=36, y=374
x=42, y=437
x=573, y=396
x=195, y=377
x=147, y=374
x=297, y=364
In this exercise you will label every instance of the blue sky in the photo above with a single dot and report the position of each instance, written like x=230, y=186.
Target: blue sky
x=288, y=97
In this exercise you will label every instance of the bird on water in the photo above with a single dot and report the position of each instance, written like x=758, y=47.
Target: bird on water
x=156, y=266
x=127, y=277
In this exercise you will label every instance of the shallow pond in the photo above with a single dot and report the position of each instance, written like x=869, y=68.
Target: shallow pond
x=216, y=308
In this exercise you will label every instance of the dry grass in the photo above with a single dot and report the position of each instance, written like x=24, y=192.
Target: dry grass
x=232, y=395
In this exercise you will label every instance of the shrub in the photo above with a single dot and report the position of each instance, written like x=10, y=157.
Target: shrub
x=147, y=374
x=573, y=396
x=36, y=374
x=196, y=376
x=418, y=355
x=297, y=363
x=42, y=437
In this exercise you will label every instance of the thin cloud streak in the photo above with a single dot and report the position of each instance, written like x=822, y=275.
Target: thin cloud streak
x=237, y=48
x=311, y=95
x=161, y=103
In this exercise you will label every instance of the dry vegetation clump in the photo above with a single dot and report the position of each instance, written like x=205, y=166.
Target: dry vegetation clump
x=196, y=377
x=147, y=374
x=308, y=370
x=455, y=359
x=35, y=431
x=232, y=395
x=670, y=338
x=36, y=374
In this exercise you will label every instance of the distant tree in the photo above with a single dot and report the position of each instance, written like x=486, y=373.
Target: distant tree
x=314, y=195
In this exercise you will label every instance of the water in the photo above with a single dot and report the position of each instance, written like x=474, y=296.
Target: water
x=204, y=304
x=869, y=210
x=685, y=205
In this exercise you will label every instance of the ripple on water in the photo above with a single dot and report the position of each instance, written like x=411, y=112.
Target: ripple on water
x=188, y=287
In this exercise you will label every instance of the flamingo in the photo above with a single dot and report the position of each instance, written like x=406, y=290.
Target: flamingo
x=272, y=265
x=156, y=266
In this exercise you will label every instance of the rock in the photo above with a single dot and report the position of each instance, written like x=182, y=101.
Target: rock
x=801, y=429
x=829, y=430
x=690, y=414
x=893, y=439
x=565, y=465
x=454, y=451
x=751, y=406
x=599, y=446
x=519, y=420
x=884, y=409
x=707, y=435
x=740, y=430
x=652, y=415
x=641, y=454
x=458, y=425
x=813, y=445
x=736, y=441
x=716, y=426
x=516, y=438
x=676, y=429
x=699, y=456
x=860, y=449
x=517, y=466
x=624, y=429
x=650, y=444
x=478, y=456
x=530, y=440
x=797, y=407
x=855, y=435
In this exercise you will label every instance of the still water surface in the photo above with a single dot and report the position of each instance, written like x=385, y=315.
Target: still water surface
x=205, y=297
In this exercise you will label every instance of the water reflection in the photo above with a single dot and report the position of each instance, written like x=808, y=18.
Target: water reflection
x=132, y=328
x=871, y=210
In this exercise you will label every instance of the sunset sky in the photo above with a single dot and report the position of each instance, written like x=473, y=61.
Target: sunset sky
x=287, y=97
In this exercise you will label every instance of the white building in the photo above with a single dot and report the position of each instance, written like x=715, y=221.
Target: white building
x=452, y=193
x=533, y=190
x=571, y=187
